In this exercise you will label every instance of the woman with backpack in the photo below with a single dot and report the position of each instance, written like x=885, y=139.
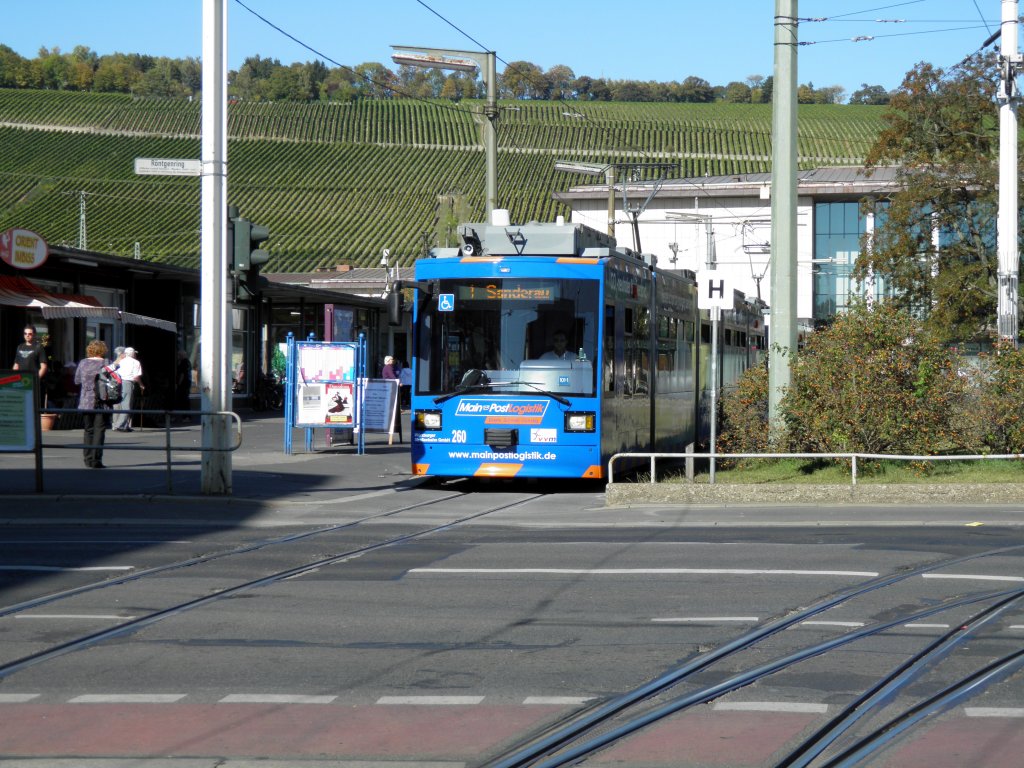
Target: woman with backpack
x=95, y=423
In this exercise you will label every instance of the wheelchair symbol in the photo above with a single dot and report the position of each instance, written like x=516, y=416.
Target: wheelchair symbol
x=446, y=302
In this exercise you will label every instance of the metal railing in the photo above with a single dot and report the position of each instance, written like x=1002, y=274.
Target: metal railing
x=167, y=448
x=851, y=457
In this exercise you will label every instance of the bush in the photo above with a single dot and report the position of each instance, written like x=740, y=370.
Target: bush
x=874, y=382
x=994, y=414
x=745, y=415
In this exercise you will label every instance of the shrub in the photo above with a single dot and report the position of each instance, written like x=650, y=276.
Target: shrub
x=994, y=416
x=873, y=382
x=745, y=415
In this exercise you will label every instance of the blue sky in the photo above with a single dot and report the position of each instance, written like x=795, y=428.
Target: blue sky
x=659, y=40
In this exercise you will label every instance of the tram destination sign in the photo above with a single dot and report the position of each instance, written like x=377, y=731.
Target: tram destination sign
x=168, y=166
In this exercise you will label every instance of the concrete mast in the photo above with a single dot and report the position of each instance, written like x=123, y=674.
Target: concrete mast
x=215, y=313
x=783, y=330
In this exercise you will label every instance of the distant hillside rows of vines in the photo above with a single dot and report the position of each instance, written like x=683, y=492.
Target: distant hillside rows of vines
x=337, y=182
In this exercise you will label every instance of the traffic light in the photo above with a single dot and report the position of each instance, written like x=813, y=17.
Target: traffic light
x=247, y=257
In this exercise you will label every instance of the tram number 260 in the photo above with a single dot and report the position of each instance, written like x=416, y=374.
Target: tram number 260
x=458, y=435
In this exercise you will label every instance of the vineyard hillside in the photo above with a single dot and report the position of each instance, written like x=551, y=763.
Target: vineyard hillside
x=336, y=182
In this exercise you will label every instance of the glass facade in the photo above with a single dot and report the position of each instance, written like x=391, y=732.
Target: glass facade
x=838, y=229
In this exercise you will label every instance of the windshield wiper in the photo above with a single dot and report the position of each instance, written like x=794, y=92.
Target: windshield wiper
x=481, y=383
x=556, y=397
x=460, y=390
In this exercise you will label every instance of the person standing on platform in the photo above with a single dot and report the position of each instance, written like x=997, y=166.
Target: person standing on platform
x=95, y=423
x=130, y=370
x=388, y=371
x=30, y=355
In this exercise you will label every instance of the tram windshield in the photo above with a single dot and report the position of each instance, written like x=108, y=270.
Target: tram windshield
x=509, y=336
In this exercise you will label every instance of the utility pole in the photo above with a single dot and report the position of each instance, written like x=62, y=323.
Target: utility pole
x=215, y=318
x=1007, y=230
x=83, y=241
x=783, y=332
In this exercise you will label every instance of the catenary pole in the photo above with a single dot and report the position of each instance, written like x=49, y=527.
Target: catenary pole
x=1007, y=228
x=783, y=332
x=215, y=346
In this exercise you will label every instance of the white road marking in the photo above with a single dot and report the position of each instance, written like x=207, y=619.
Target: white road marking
x=771, y=706
x=650, y=571
x=62, y=569
x=567, y=700
x=73, y=616
x=275, y=698
x=833, y=623
x=17, y=698
x=994, y=711
x=972, y=576
x=431, y=700
x=127, y=698
x=705, y=619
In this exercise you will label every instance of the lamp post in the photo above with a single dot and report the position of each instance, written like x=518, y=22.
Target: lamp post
x=595, y=169
x=466, y=61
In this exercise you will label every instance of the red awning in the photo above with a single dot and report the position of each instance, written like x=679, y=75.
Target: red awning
x=18, y=291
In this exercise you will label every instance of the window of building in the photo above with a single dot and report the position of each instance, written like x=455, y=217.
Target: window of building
x=837, y=232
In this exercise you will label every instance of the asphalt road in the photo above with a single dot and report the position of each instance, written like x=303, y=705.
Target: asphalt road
x=336, y=611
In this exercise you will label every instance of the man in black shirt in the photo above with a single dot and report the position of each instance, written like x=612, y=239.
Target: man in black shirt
x=30, y=355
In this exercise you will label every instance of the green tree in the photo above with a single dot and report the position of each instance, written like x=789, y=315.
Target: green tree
x=522, y=80
x=870, y=94
x=560, y=79
x=15, y=70
x=737, y=93
x=117, y=73
x=375, y=80
x=55, y=69
x=942, y=137
x=340, y=85
x=697, y=90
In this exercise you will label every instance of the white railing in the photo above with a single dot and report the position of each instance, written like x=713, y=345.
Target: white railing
x=851, y=457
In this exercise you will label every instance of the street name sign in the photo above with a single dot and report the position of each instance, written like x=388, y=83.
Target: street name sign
x=167, y=166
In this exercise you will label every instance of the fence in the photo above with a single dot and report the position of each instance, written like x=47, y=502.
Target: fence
x=851, y=457
x=167, y=448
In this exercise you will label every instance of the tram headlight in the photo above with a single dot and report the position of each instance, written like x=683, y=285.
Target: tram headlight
x=580, y=421
x=428, y=421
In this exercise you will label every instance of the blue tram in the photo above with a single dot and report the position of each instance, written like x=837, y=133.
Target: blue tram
x=540, y=350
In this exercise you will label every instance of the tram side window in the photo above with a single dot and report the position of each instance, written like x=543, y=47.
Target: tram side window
x=705, y=333
x=609, y=348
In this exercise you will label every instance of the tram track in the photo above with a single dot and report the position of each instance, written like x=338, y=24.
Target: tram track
x=140, y=622
x=605, y=724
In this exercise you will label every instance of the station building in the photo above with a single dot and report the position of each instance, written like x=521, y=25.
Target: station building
x=75, y=295
x=725, y=222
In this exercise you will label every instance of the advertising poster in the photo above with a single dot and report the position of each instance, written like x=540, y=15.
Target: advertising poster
x=325, y=386
x=326, y=404
x=17, y=418
x=340, y=401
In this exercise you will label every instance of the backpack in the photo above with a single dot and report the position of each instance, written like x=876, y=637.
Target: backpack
x=108, y=386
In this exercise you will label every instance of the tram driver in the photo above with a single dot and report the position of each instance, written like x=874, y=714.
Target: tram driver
x=558, y=349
